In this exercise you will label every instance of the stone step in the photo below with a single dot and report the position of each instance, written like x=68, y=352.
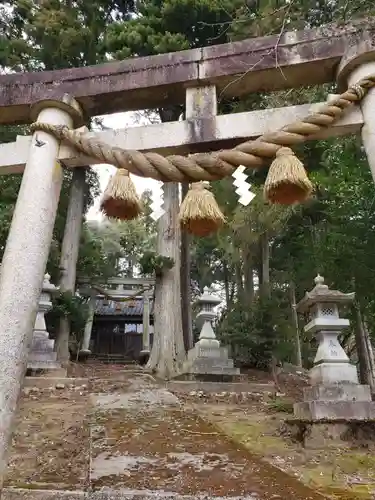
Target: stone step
x=218, y=387
x=113, y=359
x=46, y=382
x=25, y=494
x=209, y=377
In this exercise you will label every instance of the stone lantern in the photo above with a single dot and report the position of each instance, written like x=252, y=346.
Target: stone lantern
x=205, y=317
x=331, y=364
x=42, y=355
x=207, y=359
x=335, y=393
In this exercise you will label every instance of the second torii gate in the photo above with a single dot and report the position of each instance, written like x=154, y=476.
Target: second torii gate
x=63, y=98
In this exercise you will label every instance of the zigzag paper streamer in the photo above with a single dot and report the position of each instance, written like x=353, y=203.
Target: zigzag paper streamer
x=243, y=187
x=157, y=201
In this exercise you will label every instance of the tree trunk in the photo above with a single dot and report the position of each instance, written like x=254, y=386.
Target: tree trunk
x=228, y=297
x=199, y=102
x=264, y=285
x=239, y=281
x=187, y=322
x=168, y=350
x=363, y=361
x=62, y=341
x=292, y=290
x=248, y=278
x=370, y=357
x=69, y=256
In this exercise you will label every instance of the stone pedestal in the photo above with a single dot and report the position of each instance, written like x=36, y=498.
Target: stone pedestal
x=42, y=355
x=207, y=361
x=336, y=402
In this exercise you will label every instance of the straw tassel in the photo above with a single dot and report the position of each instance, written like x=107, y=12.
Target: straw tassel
x=287, y=181
x=120, y=199
x=199, y=212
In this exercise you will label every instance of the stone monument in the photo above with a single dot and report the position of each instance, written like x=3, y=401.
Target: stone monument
x=42, y=355
x=334, y=393
x=207, y=359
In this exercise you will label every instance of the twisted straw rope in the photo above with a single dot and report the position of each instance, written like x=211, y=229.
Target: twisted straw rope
x=216, y=165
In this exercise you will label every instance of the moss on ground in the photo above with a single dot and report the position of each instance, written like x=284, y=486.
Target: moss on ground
x=342, y=473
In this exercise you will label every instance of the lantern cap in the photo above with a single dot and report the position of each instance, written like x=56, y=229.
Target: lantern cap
x=321, y=293
x=208, y=298
x=48, y=287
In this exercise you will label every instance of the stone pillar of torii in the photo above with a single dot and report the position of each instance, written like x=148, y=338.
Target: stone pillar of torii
x=25, y=257
x=30, y=235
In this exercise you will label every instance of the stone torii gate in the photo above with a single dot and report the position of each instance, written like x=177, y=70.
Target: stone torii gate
x=68, y=97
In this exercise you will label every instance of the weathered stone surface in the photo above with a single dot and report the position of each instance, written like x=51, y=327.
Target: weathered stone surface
x=42, y=355
x=23, y=494
x=323, y=435
x=333, y=373
x=136, y=399
x=213, y=352
x=177, y=138
x=335, y=410
x=45, y=382
x=303, y=58
x=337, y=392
x=217, y=387
x=214, y=360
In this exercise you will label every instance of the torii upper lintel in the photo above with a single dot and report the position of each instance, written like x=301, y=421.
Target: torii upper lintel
x=267, y=63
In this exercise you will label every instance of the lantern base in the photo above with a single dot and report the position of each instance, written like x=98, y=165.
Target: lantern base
x=42, y=355
x=209, y=359
x=315, y=411
x=333, y=373
x=341, y=402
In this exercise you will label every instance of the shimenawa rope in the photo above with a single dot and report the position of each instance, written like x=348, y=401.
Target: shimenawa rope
x=216, y=165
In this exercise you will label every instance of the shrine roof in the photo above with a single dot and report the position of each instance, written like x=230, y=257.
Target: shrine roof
x=129, y=308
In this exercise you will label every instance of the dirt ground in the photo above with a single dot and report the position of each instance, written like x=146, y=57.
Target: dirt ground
x=345, y=473
x=175, y=450
x=200, y=443
x=50, y=442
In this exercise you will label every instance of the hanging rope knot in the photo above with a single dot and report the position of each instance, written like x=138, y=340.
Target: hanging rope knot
x=198, y=186
x=199, y=211
x=359, y=91
x=123, y=171
x=284, y=151
x=120, y=199
x=287, y=181
x=58, y=131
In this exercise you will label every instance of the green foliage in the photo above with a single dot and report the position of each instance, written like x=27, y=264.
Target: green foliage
x=153, y=264
x=70, y=306
x=257, y=332
x=112, y=248
x=171, y=25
